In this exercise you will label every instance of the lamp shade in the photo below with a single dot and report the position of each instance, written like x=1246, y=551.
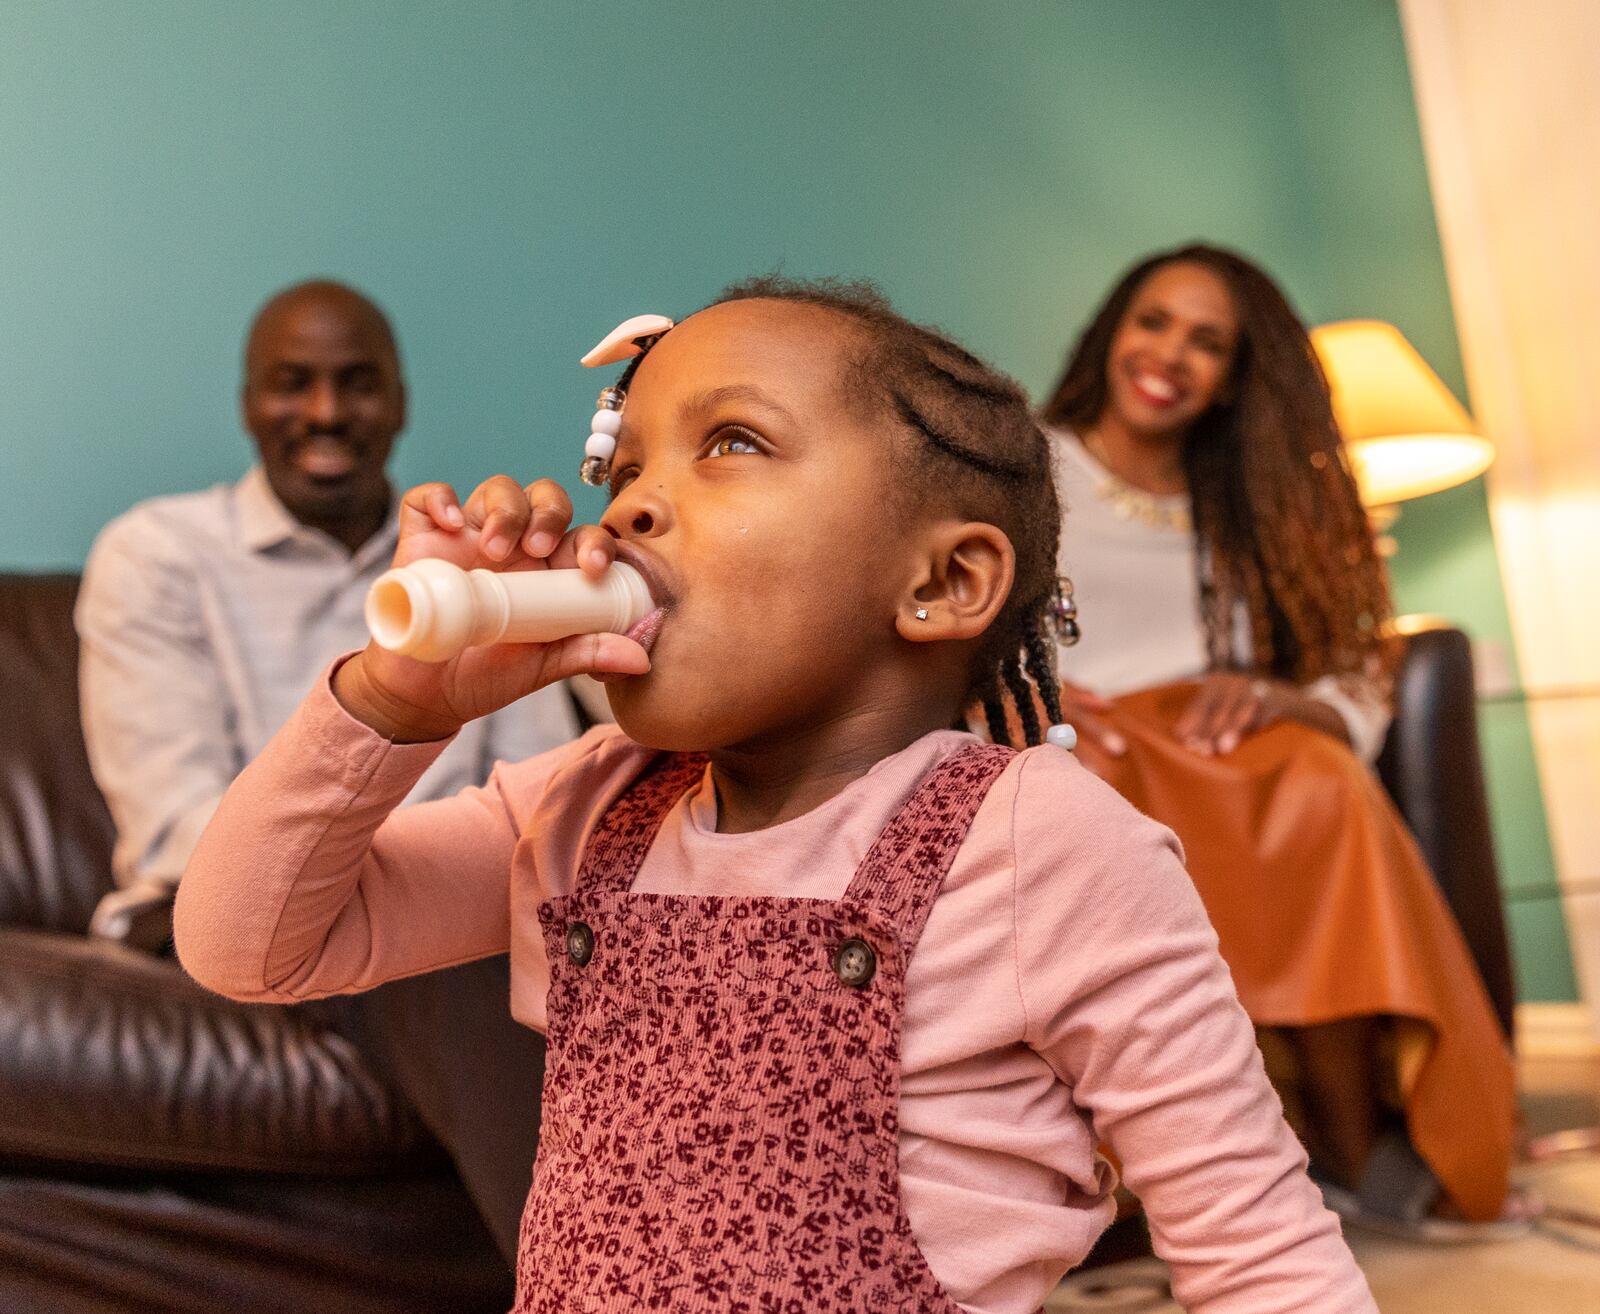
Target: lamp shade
x=1406, y=435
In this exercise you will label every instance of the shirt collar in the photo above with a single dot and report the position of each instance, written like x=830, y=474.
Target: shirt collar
x=264, y=521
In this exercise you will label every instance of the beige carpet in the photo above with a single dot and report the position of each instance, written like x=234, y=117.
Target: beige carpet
x=1554, y=1270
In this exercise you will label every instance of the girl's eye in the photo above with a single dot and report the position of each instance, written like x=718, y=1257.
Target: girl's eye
x=734, y=442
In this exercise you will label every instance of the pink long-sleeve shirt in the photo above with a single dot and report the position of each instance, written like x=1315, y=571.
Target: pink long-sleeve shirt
x=1066, y=990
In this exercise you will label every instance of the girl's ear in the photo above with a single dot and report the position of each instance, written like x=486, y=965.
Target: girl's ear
x=963, y=580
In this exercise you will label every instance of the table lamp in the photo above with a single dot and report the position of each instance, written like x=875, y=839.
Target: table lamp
x=1405, y=434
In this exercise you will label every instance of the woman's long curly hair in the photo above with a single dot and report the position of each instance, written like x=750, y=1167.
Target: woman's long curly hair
x=1280, y=530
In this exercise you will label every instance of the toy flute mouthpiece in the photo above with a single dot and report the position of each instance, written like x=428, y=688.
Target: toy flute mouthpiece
x=432, y=610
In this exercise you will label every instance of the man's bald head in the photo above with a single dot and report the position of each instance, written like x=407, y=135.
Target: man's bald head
x=324, y=401
x=322, y=296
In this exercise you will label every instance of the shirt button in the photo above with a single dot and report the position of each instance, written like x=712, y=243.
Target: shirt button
x=580, y=943
x=855, y=963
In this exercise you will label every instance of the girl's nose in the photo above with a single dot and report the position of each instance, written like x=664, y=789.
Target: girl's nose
x=637, y=512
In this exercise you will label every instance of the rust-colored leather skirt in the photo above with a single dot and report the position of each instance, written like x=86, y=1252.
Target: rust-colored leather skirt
x=1325, y=910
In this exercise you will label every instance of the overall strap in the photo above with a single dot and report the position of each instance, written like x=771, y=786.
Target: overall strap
x=629, y=825
x=904, y=870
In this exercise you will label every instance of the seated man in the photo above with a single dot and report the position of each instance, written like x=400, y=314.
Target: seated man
x=205, y=617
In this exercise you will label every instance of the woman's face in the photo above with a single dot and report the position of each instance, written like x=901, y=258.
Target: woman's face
x=749, y=488
x=1172, y=356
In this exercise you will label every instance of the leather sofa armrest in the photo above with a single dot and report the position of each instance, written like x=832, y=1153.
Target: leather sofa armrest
x=110, y=1056
x=1433, y=769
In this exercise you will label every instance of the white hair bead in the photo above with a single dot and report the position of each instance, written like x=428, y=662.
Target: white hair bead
x=1062, y=736
x=601, y=445
x=606, y=422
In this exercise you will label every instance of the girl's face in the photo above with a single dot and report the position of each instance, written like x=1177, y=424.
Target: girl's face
x=1172, y=356
x=751, y=491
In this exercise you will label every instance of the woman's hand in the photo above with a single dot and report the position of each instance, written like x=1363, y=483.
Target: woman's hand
x=1087, y=713
x=1229, y=707
x=503, y=527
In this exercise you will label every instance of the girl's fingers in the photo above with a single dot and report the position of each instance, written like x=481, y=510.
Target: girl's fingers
x=593, y=654
x=498, y=509
x=549, y=514
x=589, y=548
x=428, y=507
x=444, y=508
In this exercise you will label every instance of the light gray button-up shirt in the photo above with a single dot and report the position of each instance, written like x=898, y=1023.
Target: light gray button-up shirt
x=204, y=620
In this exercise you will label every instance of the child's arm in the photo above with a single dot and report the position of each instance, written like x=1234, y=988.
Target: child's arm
x=304, y=885
x=309, y=882
x=1127, y=999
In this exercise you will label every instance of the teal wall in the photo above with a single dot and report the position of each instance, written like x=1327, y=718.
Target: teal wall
x=510, y=179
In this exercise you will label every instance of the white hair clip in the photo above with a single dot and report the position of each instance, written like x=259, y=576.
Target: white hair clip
x=632, y=337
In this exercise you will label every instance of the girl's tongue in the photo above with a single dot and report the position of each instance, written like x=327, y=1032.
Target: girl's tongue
x=644, y=631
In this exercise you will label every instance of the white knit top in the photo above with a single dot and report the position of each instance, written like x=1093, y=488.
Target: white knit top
x=1139, y=600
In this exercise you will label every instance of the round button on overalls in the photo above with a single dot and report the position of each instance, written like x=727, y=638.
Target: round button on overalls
x=855, y=963
x=580, y=943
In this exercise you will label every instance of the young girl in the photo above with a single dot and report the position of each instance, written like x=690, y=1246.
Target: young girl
x=839, y=1001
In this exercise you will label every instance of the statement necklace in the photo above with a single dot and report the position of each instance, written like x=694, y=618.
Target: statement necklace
x=1130, y=502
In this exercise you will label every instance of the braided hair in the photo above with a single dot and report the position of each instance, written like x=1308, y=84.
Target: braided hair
x=969, y=440
x=1279, y=527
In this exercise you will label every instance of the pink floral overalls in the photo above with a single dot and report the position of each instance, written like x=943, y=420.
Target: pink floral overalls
x=722, y=1088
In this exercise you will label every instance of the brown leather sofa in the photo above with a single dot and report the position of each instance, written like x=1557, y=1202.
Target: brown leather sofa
x=162, y=1149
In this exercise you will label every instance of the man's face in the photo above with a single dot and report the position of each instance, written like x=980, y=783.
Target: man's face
x=324, y=402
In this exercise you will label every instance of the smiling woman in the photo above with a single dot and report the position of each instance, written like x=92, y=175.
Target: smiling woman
x=324, y=401
x=1233, y=683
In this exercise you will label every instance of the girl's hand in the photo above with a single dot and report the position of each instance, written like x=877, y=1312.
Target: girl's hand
x=503, y=527
x=1229, y=707
x=1087, y=713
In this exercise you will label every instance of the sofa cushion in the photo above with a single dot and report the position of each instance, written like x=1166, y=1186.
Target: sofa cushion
x=55, y=831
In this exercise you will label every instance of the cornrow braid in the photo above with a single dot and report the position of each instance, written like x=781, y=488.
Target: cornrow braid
x=994, y=716
x=1021, y=697
x=1040, y=660
x=978, y=448
x=952, y=447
